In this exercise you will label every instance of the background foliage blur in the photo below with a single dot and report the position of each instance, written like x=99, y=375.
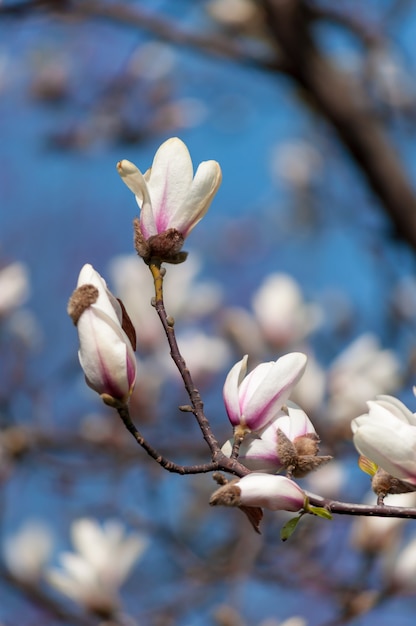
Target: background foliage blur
x=309, y=245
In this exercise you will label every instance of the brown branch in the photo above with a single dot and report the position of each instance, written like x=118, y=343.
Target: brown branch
x=168, y=465
x=348, y=508
x=345, y=105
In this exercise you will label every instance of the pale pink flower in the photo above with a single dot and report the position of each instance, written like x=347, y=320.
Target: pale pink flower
x=168, y=194
x=253, y=399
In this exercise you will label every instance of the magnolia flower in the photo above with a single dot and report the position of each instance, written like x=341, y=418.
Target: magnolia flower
x=281, y=312
x=106, y=352
x=276, y=493
x=387, y=436
x=361, y=371
x=14, y=287
x=168, y=194
x=380, y=534
x=260, y=451
x=252, y=400
x=27, y=551
x=104, y=557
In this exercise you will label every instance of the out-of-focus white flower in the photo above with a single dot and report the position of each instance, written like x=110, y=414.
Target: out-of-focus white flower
x=14, y=287
x=380, y=534
x=253, y=399
x=184, y=296
x=104, y=557
x=260, y=451
x=291, y=621
x=362, y=371
x=276, y=493
x=298, y=163
x=387, y=436
x=234, y=13
x=106, y=352
x=310, y=391
x=204, y=354
x=153, y=60
x=168, y=194
x=328, y=480
x=402, y=569
x=390, y=80
x=27, y=551
x=283, y=316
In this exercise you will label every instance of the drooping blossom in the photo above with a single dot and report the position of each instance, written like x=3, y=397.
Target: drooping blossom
x=387, y=436
x=257, y=489
x=168, y=194
x=106, y=352
x=93, y=574
x=253, y=399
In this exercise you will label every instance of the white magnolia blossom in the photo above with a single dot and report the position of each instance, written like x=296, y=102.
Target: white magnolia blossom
x=258, y=451
x=402, y=569
x=27, y=551
x=283, y=316
x=106, y=353
x=387, y=436
x=253, y=399
x=104, y=557
x=276, y=493
x=168, y=194
x=380, y=534
x=14, y=287
x=362, y=371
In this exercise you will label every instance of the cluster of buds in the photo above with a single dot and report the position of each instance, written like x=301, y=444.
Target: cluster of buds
x=172, y=201
x=274, y=433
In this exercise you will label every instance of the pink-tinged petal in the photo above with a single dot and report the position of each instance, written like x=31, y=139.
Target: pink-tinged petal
x=273, y=390
x=106, y=302
x=231, y=390
x=256, y=454
x=169, y=181
x=271, y=492
x=200, y=195
x=106, y=355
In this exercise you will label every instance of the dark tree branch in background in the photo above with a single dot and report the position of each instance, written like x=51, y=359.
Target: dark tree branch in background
x=340, y=100
x=345, y=105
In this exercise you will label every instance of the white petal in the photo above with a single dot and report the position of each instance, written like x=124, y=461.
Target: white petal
x=204, y=186
x=231, y=390
x=169, y=181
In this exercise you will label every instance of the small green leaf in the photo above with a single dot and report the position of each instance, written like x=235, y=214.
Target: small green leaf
x=320, y=511
x=289, y=528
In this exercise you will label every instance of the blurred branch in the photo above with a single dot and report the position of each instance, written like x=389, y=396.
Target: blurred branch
x=338, y=98
x=165, y=29
x=345, y=105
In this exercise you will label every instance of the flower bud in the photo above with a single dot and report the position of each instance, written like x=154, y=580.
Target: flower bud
x=276, y=493
x=106, y=352
x=253, y=399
